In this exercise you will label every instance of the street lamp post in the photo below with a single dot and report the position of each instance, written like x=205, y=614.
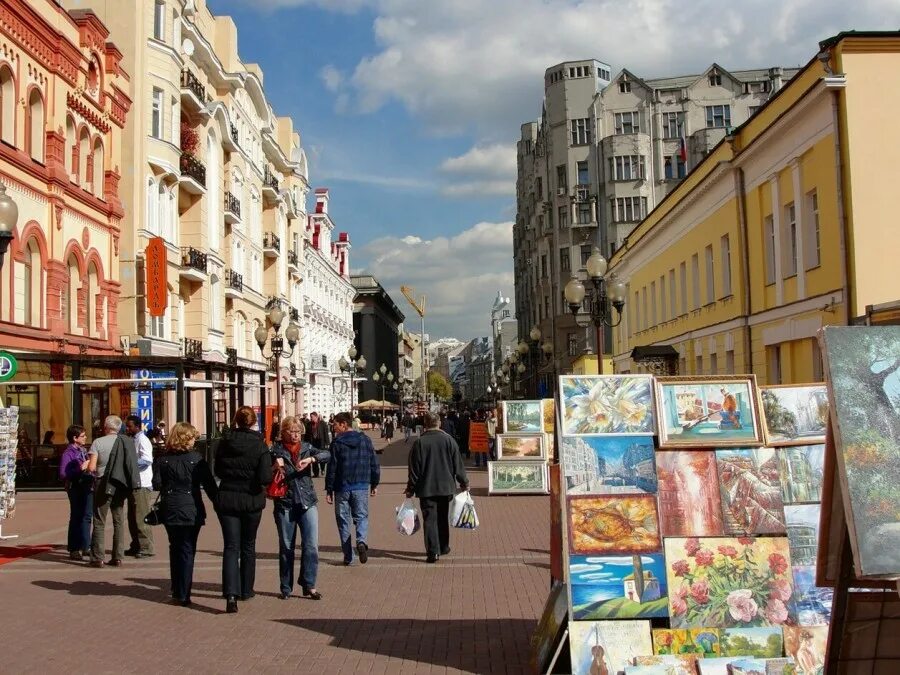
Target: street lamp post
x=605, y=291
x=9, y=216
x=276, y=346
x=386, y=379
x=351, y=366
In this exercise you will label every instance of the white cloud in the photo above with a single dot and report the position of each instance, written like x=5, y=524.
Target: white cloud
x=459, y=275
x=483, y=171
x=332, y=78
x=349, y=6
x=390, y=182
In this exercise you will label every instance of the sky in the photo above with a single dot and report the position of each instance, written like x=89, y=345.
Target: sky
x=409, y=110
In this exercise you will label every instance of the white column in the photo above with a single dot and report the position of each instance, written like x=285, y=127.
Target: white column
x=798, y=219
x=776, y=226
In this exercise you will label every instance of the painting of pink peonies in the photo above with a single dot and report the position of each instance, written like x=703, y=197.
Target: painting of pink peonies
x=726, y=582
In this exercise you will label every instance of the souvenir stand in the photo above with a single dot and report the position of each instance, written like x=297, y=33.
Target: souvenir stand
x=9, y=434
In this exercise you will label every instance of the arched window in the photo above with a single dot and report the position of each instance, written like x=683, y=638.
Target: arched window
x=85, y=166
x=93, y=296
x=99, y=168
x=213, y=189
x=238, y=334
x=164, y=221
x=71, y=157
x=7, y=106
x=152, y=224
x=35, y=128
x=215, y=303
x=27, y=276
x=70, y=304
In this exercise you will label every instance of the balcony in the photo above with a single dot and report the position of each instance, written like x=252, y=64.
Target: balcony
x=231, y=356
x=271, y=245
x=704, y=140
x=234, y=134
x=234, y=284
x=295, y=315
x=193, y=94
x=193, y=264
x=232, y=208
x=193, y=174
x=193, y=349
x=318, y=363
x=293, y=262
x=270, y=185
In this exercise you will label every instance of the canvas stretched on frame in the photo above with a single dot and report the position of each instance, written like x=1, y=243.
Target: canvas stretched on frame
x=794, y=414
x=606, y=404
x=503, y=455
x=534, y=478
x=531, y=419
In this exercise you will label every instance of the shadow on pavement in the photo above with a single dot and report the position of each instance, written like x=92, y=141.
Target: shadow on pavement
x=159, y=593
x=455, y=643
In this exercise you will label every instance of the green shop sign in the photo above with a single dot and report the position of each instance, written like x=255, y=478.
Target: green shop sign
x=8, y=366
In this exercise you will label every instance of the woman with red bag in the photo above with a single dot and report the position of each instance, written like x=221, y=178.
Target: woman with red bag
x=296, y=507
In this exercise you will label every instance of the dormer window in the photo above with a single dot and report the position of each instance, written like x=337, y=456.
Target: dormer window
x=624, y=86
x=715, y=79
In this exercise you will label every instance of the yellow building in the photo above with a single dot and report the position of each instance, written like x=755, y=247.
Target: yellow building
x=784, y=228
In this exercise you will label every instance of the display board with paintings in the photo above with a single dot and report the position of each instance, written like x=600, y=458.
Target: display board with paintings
x=9, y=434
x=522, y=450
x=691, y=524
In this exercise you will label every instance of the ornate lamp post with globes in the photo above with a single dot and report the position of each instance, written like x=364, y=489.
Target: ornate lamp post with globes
x=276, y=346
x=385, y=379
x=352, y=366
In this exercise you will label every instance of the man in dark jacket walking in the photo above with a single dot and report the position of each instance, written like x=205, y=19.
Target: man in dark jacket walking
x=435, y=468
x=351, y=476
x=317, y=436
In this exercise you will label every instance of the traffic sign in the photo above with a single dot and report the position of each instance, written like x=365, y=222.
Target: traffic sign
x=9, y=366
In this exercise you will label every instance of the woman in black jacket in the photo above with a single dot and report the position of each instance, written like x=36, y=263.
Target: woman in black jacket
x=178, y=475
x=244, y=466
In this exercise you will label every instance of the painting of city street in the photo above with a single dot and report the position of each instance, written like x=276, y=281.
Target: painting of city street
x=863, y=366
x=688, y=491
x=618, y=587
x=794, y=414
x=607, y=404
x=802, y=521
x=750, y=487
x=708, y=412
x=520, y=447
x=518, y=478
x=625, y=524
x=609, y=464
x=802, y=473
x=812, y=603
x=607, y=646
x=522, y=416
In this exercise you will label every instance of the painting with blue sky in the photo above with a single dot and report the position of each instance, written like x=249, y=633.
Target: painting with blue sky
x=604, y=587
x=609, y=464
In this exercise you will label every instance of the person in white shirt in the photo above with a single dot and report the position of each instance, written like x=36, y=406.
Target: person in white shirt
x=140, y=500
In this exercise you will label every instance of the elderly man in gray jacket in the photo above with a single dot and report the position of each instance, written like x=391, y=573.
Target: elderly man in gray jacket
x=435, y=468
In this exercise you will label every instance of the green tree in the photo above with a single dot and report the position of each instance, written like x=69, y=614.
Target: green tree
x=438, y=385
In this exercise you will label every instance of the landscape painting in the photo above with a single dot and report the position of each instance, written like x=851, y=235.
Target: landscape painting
x=625, y=524
x=750, y=487
x=729, y=582
x=607, y=404
x=701, y=642
x=688, y=491
x=618, y=587
x=764, y=643
x=794, y=414
x=683, y=664
x=607, y=646
x=520, y=446
x=802, y=473
x=812, y=603
x=807, y=646
x=716, y=666
x=522, y=416
x=518, y=478
x=609, y=464
x=548, y=406
x=707, y=412
x=863, y=368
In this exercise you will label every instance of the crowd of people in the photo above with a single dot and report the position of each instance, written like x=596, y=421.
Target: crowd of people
x=118, y=474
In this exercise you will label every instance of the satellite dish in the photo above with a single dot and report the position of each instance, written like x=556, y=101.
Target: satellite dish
x=187, y=47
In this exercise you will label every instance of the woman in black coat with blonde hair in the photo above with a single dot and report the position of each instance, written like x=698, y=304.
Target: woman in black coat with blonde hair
x=244, y=465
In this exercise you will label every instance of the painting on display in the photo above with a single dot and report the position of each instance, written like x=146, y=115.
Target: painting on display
x=607, y=404
x=688, y=492
x=522, y=416
x=520, y=446
x=618, y=587
x=607, y=646
x=518, y=478
x=750, y=487
x=812, y=603
x=863, y=372
x=716, y=666
x=666, y=665
x=621, y=524
x=701, y=642
x=794, y=414
x=548, y=406
x=802, y=473
x=609, y=465
x=758, y=666
x=726, y=582
x=807, y=646
x=762, y=642
x=707, y=412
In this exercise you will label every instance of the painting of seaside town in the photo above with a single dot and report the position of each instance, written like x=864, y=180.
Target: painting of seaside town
x=618, y=587
x=795, y=414
x=609, y=464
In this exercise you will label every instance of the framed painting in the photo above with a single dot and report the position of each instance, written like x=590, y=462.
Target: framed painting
x=764, y=642
x=807, y=646
x=671, y=664
x=688, y=493
x=522, y=417
x=726, y=582
x=607, y=404
x=862, y=365
x=603, y=465
x=607, y=646
x=708, y=412
x=717, y=665
x=548, y=406
x=620, y=524
x=699, y=642
x=618, y=587
x=518, y=478
x=750, y=487
x=794, y=414
x=802, y=473
x=520, y=446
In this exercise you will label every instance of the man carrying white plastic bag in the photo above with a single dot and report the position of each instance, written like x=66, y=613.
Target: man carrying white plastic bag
x=408, y=522
x=462, y=512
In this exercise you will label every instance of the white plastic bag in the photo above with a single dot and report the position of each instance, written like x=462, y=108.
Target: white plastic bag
x=408, y=521
x=462, y=512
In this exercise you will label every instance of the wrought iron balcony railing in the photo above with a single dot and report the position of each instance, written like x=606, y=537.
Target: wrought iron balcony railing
x=193, y=258
x=190, y=81
x=193, y=349
x=231, y=356
x=234, y=280
x=272, y=240
x=270, y=180
x=232, y=204
x=193, y=167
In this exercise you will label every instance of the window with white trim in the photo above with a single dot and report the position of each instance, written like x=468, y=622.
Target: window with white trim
x=684, y=293
x=710, y=275
x=725, y=246
x=789, y=243
x=629, y=209
x=627, y=167
x=671, y=124
x=812, y=255
x=718, y=116
x=159, y=20
x=769, y=234
x=581, y=131
x=156, y=113
x=695, y=279
x=627, y=122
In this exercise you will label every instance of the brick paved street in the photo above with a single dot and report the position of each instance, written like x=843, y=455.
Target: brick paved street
x=472, y=612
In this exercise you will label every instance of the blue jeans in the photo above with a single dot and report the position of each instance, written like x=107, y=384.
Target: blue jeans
x=81, y=503
x=352, y=505
x=481, y=459
x=287, y=519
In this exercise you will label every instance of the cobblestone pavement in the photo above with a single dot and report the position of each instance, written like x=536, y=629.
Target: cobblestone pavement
x=472, y=612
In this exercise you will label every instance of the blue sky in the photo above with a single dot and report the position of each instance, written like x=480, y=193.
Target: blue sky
x=409, y=109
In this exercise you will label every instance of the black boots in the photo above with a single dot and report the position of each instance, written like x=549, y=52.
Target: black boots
x=231, y=606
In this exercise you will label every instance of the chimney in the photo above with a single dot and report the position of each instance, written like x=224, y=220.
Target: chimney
x=322, y=200
x=343, y=254
x=776, y=76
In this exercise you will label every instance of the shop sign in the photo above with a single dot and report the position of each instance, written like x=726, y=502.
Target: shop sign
x=9, y=366
x=149, y=375
x=478, y=437
x=145, y=409
x=155, y=262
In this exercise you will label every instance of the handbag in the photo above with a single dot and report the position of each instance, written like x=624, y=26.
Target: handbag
x=278, y=488
x=154, y=515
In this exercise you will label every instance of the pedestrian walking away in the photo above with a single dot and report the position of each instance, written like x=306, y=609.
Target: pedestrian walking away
x=408, y=424
x=140, y=499
x=351, y=477
x=435, y=467
x=244, y=466
x=179, y=474
x=297, y=509
x=317, y=435
x=114, y=460
x=74, y=470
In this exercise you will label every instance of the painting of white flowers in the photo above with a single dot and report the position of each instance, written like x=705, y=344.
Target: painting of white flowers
x=607, y=404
